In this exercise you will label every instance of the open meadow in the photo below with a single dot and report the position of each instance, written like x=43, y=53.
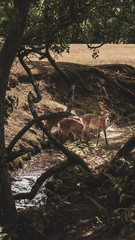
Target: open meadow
x=108, y=54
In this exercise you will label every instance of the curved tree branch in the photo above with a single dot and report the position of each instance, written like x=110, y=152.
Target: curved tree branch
x=73, y=159
x=94, y=47
x=57, y=68
x=50, y=172
x=61, y=147
x=126, y=149
x=127, y=83
x=14, y=155
x=21, y=55
x=29, y=125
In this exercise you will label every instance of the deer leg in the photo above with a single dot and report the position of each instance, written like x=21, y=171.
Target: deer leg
x=64, y=136
x=60, y=135
x=43, y=136
x=71, y=136
x=84, y=136
x=105, y=137
x=98, y=136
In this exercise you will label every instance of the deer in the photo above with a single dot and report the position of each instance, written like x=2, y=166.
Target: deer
x=94, y=121
x=69, y=126
x=52, y=122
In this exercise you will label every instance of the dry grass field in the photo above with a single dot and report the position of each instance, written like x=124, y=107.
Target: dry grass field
x=108, y=54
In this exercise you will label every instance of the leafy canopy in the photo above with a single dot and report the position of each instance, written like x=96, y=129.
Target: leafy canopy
x=86, y=21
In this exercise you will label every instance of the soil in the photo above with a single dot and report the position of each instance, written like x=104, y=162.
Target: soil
x=99, y=89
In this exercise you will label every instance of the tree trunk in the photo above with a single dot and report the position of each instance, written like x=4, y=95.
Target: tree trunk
x=7, y=55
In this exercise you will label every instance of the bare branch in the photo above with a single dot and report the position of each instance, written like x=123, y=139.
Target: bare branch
x=14, y=155
x=126, y=149
x=94, y=47
x=58, y=69
x=73, y=160
x=32, y=122
x=27, y=69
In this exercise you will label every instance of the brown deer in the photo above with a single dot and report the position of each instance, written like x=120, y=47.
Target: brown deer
x=94, y=121
x=69, y=126
x=52, y=122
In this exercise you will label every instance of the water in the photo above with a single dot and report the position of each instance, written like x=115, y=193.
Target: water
x=1, y=235
x=25, y=179
x=24, y=185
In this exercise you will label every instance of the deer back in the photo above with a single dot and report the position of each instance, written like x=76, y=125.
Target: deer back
x=50, y=123
x=70, y=125
x=95, y=121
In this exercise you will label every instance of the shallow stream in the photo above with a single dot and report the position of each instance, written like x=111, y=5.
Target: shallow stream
x=27, y=176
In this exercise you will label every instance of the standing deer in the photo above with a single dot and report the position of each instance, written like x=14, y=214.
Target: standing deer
x=52, y=122
x=94, y=121
x=69, y=126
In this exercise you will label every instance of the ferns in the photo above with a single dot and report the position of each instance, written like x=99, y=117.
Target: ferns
x=126, y=215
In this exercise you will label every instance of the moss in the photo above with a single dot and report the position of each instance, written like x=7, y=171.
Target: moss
x=53, y=106
x=33, y=141
x=24, y=145
x=30, y=138
x=44, y=144
x=26, y=157
x=17, y=163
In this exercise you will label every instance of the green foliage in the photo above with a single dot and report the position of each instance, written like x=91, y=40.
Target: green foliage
x=115, y=181
x=9, y=17
x=100, y=208
x=45, y=16
x=74, y=178
x=119, y=182
x=66, y=186
x=125, y=215
x=11, y=103
x=110, y=23
x=101, y=21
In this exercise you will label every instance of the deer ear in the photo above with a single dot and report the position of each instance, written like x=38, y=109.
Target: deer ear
x=102, y=113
